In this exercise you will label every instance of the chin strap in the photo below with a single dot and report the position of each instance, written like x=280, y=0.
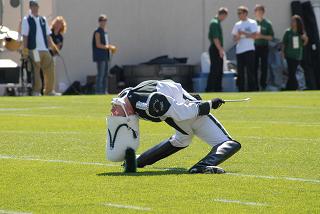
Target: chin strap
x=157, y=153
x=218, y=155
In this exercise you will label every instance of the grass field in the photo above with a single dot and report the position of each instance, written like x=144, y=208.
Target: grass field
x=52, y=158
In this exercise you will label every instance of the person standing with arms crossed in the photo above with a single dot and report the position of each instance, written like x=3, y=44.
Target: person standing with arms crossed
x=294, y=39
x=244, y=33
x=102, y=51
x=265, y=35
x=216, y=51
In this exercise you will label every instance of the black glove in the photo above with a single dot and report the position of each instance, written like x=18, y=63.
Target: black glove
x=216, y=103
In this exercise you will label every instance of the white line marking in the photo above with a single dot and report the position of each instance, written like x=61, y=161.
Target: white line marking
x=127, y=207
x=280, y=138
x=297, y=123
x=276, y=178
x=315, y=181
x=10, y=157
x=45, y=132
x=12, y=212
x=240, y=202
x=28, y=109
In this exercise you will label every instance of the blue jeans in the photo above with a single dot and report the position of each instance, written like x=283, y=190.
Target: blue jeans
x=101, y=81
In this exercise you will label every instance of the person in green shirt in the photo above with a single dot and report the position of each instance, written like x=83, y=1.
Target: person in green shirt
x=294, y=40
x=216, y=51
x=265, y=35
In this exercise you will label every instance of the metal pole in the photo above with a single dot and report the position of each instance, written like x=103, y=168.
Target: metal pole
x=1, y=12
x=21, y=9
x=204, y=25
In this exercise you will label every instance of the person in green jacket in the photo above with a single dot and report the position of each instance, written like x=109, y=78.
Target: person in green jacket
x=262, y=44
x=216, y=51
x=294, y=40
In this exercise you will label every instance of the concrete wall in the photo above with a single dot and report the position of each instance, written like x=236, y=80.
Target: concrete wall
x=143, y=29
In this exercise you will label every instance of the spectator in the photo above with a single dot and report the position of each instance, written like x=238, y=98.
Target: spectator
x=244, y=33
x=262, y=44
x=293, y=41
x=58, y=29
x=37, y=41
x=216, y=51
x=101, y=54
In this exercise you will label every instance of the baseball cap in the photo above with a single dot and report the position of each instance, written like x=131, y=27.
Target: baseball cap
x=33, y=3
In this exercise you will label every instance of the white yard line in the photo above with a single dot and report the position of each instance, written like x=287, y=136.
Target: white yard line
x=44, y=132
x=28, y=109
x=127, y=207
x=12, y=212
x=50, y=116
x=315, y=181
x=280, y=138
x=10, y=157
x=240, y=202
x=305, y=180
x=282, y=107
x=297, y=123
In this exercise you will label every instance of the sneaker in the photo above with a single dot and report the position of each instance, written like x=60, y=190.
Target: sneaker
x=54, y=94
x=207, y=170
x=36, y=94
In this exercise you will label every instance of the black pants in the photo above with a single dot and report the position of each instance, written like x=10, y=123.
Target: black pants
x=216, y=70
x=262, y=53
x=292, y=83
x=246, y=68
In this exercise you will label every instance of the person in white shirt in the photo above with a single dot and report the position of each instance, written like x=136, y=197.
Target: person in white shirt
x=37, y=41
x=167, y=101
x=244, y=33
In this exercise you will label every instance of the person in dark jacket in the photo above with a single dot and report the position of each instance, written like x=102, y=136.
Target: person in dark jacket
x=294, y=40
x=36, y=44
x=102, y=51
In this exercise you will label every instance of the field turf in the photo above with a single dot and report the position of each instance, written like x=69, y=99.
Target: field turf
x=52, y=159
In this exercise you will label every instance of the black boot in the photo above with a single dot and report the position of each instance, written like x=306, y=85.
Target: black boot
x=130, y=165
x=218, y=155
x=157, y=153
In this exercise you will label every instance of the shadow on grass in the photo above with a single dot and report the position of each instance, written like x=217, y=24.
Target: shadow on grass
x=171, y=171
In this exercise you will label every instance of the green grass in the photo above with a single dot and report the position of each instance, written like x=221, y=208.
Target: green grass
x=279, y=132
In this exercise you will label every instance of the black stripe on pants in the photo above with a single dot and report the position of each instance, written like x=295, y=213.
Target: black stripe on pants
x=246, y=70
x=219, y=125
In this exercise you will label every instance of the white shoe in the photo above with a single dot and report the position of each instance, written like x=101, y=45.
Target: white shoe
x=54, y=94
x=36, y=94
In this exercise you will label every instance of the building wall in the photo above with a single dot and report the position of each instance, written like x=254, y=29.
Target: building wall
x=143, y=29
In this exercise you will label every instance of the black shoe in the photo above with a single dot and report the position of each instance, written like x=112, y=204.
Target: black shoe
x=130, y=163
x=207, y=170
